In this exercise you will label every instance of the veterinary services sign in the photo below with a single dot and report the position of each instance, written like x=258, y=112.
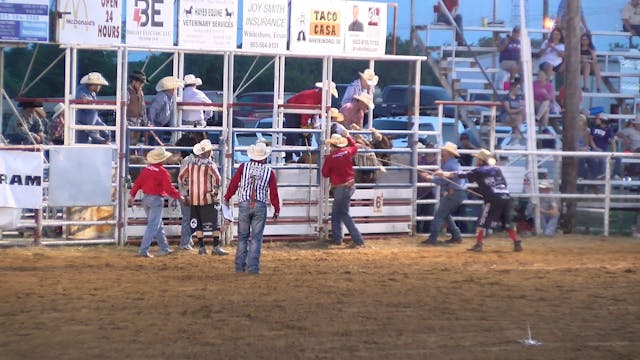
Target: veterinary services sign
x=208, y=24
x=21, y=179
x=316, y=27
x=149, y=22
x=367, y=28
x=264, y=25
x=90, y=22
x=27, y=20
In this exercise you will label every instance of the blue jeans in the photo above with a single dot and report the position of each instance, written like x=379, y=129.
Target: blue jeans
x=447, y=206
x=153, y=208
x=340, y=215
x=549, y=224
x=185, y=230
x=251, y=222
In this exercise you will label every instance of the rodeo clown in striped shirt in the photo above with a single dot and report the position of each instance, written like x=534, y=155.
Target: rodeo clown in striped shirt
x=254, y=179
x=203, y=181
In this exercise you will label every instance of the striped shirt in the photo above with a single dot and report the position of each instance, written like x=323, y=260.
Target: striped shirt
x=203, y=180
x=253, y=180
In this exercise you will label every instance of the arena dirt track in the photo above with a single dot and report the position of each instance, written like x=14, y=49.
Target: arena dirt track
x=391, y=300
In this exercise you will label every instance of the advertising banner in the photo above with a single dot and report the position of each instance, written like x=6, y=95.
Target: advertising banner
x=90, y=22
x=149, y=23
x=366, y=28
x=316, y=27
x=208, y=24
x=26, y=20
x=265, y=25
x=21, y=179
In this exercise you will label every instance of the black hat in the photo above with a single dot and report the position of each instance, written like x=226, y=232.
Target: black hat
x=29, y=104
x=138, y=75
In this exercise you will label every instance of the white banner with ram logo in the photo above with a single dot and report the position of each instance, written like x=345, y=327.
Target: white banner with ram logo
x=21, y=179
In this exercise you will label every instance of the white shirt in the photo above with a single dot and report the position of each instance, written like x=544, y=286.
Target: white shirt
x=632, y=14
x=551, y=56
x=191, y=94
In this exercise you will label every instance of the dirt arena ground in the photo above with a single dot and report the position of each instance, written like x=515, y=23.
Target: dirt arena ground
x=391, y=300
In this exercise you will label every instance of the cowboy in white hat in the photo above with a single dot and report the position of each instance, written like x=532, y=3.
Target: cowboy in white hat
x=305, y=121
x=162, y=107
x=549, y=209
x=452, y=194
x=55, y=127
x=155, y=183
x=354, y=111
x=90, y=86
x=26, y=129
x=192, y=95
x=338, y=167
x=365, y=83
x=136, y=108
x=256, y=185
x=203, y=182
x=492, y=186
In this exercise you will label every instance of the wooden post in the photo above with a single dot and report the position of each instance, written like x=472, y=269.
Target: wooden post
x=572, y=109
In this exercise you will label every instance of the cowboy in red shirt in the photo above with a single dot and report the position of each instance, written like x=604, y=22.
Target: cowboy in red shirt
x=338, y=167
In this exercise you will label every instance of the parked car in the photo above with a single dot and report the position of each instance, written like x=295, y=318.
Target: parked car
x=451, y=129
x=260, y=106
x=395, y=101
x=216, y=97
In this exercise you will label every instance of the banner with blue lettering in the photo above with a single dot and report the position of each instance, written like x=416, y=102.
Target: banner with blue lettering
x=25, y=20
x=21, y=179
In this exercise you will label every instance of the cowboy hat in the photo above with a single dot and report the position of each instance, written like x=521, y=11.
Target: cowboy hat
x=334, y=90
x=451, y=148
x=202, y=147
x=370, y=77
x=336, y=114
x=158, y=155
x=191, y=79
x=58, y=109
x=337, y=140
x=486, y=156
x=138, y=75
x=259, y=151
x=94, y=78
x=168, y=83
x=29, y=104
x=365, y=98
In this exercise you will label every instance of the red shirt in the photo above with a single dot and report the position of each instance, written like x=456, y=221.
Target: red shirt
x=306, y=97
x=154, y=180
x=338, y=166
x=273, y=187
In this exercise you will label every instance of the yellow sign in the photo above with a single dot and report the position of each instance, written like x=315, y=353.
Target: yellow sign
x=324, y=23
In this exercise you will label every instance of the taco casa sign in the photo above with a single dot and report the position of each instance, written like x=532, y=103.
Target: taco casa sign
x=93, y=22
x=325, y=24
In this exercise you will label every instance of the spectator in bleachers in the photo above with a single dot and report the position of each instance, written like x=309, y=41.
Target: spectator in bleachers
x=543, y=95
x=582, y=144
x=25, y=129
x=365, y=83
x=55, y=128
x=512, y=111
x=552, y=53
x=90, y=86
x=453, y=7
x=162, y=107
x=509, y=49
x=630, y=138
x=589, y=62
x=601, y=137
x=562, y=12
x=631, y=17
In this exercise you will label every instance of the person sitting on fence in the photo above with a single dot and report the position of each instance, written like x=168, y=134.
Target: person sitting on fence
x=25, y=129
x=192, y=95
x=365, y=83
x=452, y=6
x=630, y=17
x=55, y=128
x=136, y=107
x=90, y=86
x=155, y=183
x=589, y=62
x=162, y=107
x=601, y=137
x=552, y=53
x=509, y=57
x=354, y=112
x=513, y=111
